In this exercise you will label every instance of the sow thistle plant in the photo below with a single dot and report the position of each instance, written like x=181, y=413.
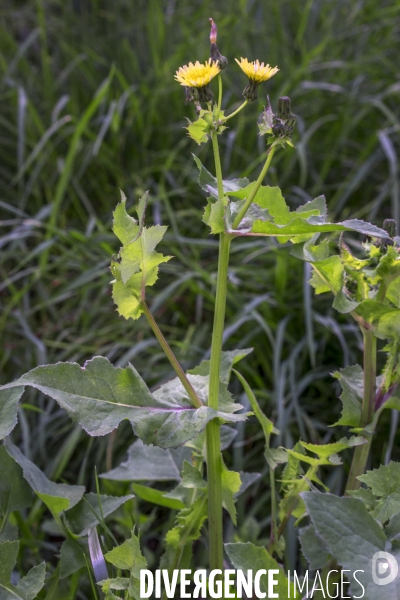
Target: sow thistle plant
x=196, y=411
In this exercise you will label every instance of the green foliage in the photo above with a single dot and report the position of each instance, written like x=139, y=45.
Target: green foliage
x=29, y=586
x=138, y=262
x=352, y=537
x=248, y=556
x=107, y=395
x=58, y=497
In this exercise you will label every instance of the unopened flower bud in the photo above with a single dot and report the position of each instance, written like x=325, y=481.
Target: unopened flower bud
x=284, y=108
x=215, y=54
x=389, y=225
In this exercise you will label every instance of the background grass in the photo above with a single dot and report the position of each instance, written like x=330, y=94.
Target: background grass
x=89, y=105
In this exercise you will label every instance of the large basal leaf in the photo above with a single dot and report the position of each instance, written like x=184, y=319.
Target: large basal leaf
x=99, y=396
x=352, y=537
x=149, y=463
x=138, y=261
x=313, y=548
x=248, y=556
x=15, y=493
x=57, y=496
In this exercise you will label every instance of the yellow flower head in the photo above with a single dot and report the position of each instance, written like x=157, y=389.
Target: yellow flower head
x=256, y=72
x=197, y=75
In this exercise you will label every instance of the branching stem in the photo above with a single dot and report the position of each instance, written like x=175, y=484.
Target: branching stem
x=254, y=190
x=197, y=403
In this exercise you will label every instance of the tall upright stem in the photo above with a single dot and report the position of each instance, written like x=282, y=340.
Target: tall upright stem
x=361, y=453
x=214, y=458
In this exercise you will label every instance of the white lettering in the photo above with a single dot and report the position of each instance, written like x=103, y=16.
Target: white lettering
x=319, y=589
x=200, y=581
x=328, y=586
x=257, y=591
x=344, y=582
x=185, y=582
x=145, y=574
x=359, y=583
x=296, y=583
x=228, y=583
x=215, y=587
x=170, y=587
x=272, y=583
x=243, y=584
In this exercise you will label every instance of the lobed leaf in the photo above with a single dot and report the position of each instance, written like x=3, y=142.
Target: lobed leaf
x=99, y=396
x=138, y=262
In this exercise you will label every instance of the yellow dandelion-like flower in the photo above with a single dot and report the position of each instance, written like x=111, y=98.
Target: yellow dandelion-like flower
x=197, y=75
x=256, y=72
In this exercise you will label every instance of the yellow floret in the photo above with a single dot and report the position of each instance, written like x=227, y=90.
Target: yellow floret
x=255, y=70
x=197, y=75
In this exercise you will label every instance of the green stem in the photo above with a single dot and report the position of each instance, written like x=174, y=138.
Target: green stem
x=214, y=458
x=219, y=91
x=361, y=453
x=171, y=357
x=241, y=107
x=254, y=190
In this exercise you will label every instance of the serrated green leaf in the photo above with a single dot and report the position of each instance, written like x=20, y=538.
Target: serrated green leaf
x=311, y=225
x=352, y=537
x=214, y=216
x=198, y=130
x=139, y=262
x=128, y=556
x=209, y=183
x=384, y=318
x=72, y=558
x=313, y=547
x=248, y=556
x=125, y=227
x=15, y=493
x=8, y=558
x=393, y=292
x=87, y=514
x=383, y=481
x=191, y=477
x=57, y=496
x=179, y=539
x=149, y=463
x=30, y=585
x=310, y=251
x=269, y=198
x=231, y=484
x=327, y=275
x=326, y=451
x=99, y=397
x=352, y=383
x=9, y=399
x=343, y=304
